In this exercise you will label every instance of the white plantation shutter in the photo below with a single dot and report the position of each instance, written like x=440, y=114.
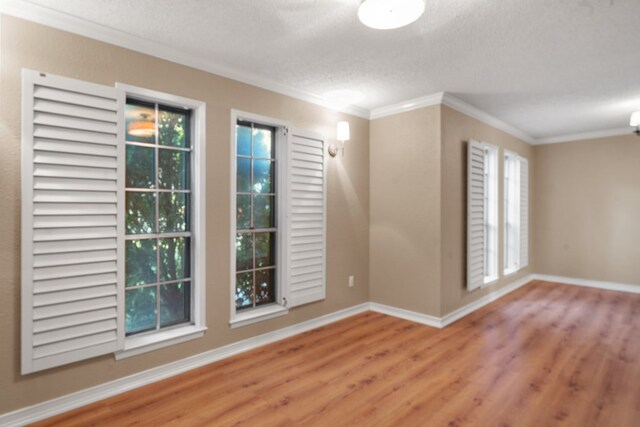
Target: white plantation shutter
x=524, y=212
x=306, y=222
x=475, y=215
x=70, y=221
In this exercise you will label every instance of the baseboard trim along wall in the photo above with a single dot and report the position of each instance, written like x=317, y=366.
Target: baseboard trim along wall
x=610, y=286
x=458, y=314
x=75, y=400
x=412, y=316
x=441, y=322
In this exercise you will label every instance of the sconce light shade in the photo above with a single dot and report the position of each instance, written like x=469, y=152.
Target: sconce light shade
x=342, y=131
x=635, y=119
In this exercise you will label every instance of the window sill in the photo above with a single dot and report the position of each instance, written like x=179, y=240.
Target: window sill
x=257, y=315
x=141, y=344
x=510, y=271
x=488, y=281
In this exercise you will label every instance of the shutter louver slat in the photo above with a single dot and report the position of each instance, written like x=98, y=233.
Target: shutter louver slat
x=524, y=212
x=71, y=197
x=73, y=320
x=55, y=285
x=306, y=225
x=475, y=215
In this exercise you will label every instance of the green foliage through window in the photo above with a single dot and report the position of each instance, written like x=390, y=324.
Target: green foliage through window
x=158, y=200
x=255, y=215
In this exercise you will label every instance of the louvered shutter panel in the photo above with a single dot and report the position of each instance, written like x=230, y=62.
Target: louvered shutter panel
x=306, y=219
x=70, y=221
x=524, y=212
x=475, y=215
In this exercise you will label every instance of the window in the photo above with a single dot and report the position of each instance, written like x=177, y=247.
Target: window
x=515, y=212
x=257, y=231
x=157, y=220
x=112, y=220
x=278, y=207
x=490, y=213
x=482, y=214
x=164, y=245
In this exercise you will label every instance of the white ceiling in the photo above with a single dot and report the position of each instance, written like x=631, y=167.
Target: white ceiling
x=546, y=67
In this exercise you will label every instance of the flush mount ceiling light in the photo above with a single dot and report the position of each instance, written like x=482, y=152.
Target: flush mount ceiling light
x=389, y=14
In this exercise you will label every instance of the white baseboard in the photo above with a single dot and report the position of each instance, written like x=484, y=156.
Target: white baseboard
x=75, y=400
x=611, y=286
x=441, y=322
x=448, y=319
x=412, y=316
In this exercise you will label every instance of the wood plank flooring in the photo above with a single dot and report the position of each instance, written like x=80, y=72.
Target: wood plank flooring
x=544, y=355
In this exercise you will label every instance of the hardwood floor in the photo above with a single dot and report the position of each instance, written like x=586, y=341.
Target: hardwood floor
x=544, y=355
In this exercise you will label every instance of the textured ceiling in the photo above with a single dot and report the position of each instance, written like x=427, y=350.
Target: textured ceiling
x=546, y=67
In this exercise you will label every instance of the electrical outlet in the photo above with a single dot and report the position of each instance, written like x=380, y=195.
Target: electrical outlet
x=351, y=281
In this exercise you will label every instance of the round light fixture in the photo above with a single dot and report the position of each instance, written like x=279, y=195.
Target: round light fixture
x=389, y=14
x=142, y=128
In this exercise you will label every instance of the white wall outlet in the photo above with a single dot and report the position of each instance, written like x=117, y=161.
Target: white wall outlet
x=351, y=281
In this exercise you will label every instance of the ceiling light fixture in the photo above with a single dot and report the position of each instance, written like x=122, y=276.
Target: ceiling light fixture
x=635, y=122
x=389, y=14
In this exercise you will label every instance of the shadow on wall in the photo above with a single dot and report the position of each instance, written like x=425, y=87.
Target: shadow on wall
x=352, y=200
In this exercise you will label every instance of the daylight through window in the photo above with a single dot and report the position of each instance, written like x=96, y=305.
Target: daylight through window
x=255, y=215
x=158, y=229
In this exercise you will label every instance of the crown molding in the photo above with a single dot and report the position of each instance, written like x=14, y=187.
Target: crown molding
x=61, y=21
x=403, y=107
x=443, y=98
x=471, y=111
x=584, y=135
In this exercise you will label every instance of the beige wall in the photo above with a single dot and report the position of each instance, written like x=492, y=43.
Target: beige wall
x=457, y=130
x=405, y=210
x=28, y=45
x=418, y=208
x=587, y=213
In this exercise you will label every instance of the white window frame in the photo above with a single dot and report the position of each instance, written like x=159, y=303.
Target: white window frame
x=511, y=212
x=137, y=344
x=279, y=308
x=491, y=225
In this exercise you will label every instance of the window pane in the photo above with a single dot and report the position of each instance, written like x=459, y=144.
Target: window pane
x=244, y=251
x=174, y=208
x=173, y=171
x=140, y=123
x=174, y=258
x=140, y=262
x=263, y=176
x=175, y=303
x=263, y=212
x=244, y=140
x=244, y=290
x=243, y=208
x=265, y=250
x=262, y=143
x=243, y=172
x=172, y=127
x=141, y=213
x=140, y=309
x=141, y=166
x=265, y=288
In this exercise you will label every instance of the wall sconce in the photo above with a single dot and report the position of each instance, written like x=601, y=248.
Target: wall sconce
x=342, y=135
x=635, y=122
